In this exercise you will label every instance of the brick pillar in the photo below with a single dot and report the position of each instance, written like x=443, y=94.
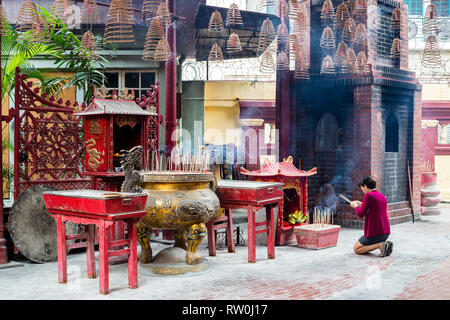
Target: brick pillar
x=416, y=161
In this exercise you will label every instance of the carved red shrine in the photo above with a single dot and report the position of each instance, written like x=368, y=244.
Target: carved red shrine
x=295, y=194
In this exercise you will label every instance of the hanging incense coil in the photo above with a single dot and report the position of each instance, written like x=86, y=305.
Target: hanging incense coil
x=266, y=36
x=60, y=9
x=162, y=52
x=233, y=43
x=293, y=45
x=361, y=67
x=89, y=12
x=301, y=67
x=349, y=31
x=293, y=9
x=327, y=40
x=361, y=35
x=150, y=7
x=163, y=14
x=216, y=53
x=395, y=49
x=3, y=21
x=327, y=66
x=301, y=23
x=341, y=54
x=129, y=6
x=264, y=4
x=360, y=8
x=396, y=19
x=155, y=33
x=267, y=64
x=215, y=22
x=30, y=20
x=282, y=8
x=327, y=13
x=350, y=6
x=282, y=61
x=282, y=34
x=431, y=56
x=89, y=46
x=119, y=27
x=431, y=23
x=233, y=16
x=350, y=60
x=342, y=14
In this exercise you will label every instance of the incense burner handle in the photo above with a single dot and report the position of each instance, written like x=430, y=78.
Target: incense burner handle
x=213, y=184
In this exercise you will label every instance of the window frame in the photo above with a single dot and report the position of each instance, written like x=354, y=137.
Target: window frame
x=121, y=79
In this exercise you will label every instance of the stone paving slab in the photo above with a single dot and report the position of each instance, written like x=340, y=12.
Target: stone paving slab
x=417, y=269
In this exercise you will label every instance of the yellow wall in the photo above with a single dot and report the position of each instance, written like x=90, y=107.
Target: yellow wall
x=435, y=91
x=222, y=107
x=443, y=176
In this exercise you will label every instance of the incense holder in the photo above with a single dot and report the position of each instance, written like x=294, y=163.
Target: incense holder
x=317, y=236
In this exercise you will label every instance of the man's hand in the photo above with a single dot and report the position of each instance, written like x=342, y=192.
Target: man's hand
x=355, y=204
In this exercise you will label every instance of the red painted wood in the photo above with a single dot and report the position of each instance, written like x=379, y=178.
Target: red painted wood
x=132, y=258
x=62, y=249
x=251, y=235
x=211, y=238
x=270, y=233
x=229, y=231
x=103, y=258
x=90, y=252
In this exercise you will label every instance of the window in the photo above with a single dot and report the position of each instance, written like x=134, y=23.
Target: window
x=140, y=82
x=442, y=6
x=391, y=141
x=415, y=7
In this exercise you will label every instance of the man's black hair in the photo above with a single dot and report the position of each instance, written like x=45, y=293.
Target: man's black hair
x=368, y=181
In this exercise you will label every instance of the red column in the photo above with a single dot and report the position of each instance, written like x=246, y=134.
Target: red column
x=171, y=83
x=3, y=249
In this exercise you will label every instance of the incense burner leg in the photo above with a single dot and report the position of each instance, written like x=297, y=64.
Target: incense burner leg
x=143, y=237
x=180, y=240
x=194, y=235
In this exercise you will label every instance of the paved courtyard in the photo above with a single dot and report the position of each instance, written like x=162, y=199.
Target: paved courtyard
x=418, y=268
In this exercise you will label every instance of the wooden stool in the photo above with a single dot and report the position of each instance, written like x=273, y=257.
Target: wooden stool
x=225, y=221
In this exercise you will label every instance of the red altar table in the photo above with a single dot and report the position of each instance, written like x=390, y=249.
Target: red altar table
x=252, y=196
x=295, y=193
x=102, y=209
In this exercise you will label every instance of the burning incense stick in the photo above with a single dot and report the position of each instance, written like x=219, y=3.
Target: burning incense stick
x=344, y=198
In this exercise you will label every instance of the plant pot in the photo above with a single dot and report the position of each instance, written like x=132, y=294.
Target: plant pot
x=317, y=236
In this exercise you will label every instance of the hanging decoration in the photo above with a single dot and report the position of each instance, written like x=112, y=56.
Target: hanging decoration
x=350, y=61
x=216, y=53
x=89, y=46
x=264, y=4
x=29, y=19
x=341, y=54
x=350, y=6
x=349, y=30
x=342, y=14
x=267, y=64
x=163, y=14
x=327, y=66
x=150, y=7
x=282, y=34
x=233, y=43
x=3, y=21
x=431, y=23
x=327, y=40
x=327, y=13
x=216, y=22
x=361, y=67
x=293, y=9
x=396, y=19
x=266, y=36
x=119, y=27
x=361, y=35
x=233, y=16
x=282, y=61
x=155, y=33
x=60, y=9
x=395, y=49
x=162, y=52
x=282, y=9
x=301, y=68
x=89, y=12
x=431, y=56
x=129, y=6
x=360, y=8
x=293, y=46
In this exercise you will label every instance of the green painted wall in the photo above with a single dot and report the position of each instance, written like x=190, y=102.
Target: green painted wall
x=193, y=114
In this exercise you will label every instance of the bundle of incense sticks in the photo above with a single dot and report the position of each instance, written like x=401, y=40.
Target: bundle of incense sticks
x=322, y=216
x=198, y=162
x=344, y=198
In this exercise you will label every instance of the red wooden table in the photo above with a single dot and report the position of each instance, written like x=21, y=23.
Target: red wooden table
x=252, y=196
x=102, y=209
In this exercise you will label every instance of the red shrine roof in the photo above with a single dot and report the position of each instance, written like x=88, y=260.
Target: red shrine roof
x=110, y=106
x=286, y=169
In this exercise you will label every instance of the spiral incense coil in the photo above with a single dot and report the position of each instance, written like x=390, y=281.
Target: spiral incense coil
x=162, y=52
x=89, y=12
x=60, y=9
x=216, y=53
x=300, y=24
x=342, y=14
x=233, y=43
x=361, y=67
x=3, y=21
x=350, y=60
x=264, y=4
x=395, y=49
x=233, y=16
x=150, y=7
x=282, y=61
x=163, y=14
x=293, y=9
x=293, y=45
x=301, y=68
x=266, y=36
x=216, y=22
x=350, y=6
x=282, y=8
x=282, y=34
x=155, y=33
x=431, y=23
x=129, y=6
x=327, y=13
x=119, y=27
x=349, y=31
x=327, y=40
x=341, y=54
x=29, y=19
x=431, y=56
x=327, y=66
x=360, y=8
x=89, y=46
x=267, y=64
x=396, y=19
x=361, y=35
